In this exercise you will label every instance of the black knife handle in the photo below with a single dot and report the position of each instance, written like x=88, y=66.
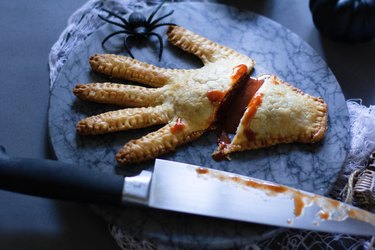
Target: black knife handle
x=58, y=180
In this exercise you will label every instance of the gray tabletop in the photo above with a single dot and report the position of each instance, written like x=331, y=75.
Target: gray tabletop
x=28, y=30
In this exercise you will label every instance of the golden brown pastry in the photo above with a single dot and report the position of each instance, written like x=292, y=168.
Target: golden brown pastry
x=277, y=113
x=185, y=100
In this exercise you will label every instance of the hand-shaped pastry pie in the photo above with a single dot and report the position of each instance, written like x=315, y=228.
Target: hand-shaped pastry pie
x=276, y=113
x=185, y=100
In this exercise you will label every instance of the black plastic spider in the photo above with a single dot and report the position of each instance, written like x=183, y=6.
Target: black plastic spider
x=138, y=27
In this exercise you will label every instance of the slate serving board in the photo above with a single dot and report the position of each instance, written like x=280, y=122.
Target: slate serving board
x=276, y=50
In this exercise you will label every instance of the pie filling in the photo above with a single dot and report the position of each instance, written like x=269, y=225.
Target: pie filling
x=231, y=117
x=234, y=109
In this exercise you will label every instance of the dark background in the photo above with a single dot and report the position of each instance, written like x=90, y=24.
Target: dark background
x=28, y=29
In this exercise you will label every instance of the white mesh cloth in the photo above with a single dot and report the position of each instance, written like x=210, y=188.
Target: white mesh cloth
x=85, y=21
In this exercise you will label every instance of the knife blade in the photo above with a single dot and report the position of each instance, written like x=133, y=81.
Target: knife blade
x=197, y=190
x=188, y=189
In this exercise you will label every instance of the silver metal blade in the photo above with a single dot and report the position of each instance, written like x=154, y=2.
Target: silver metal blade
x=196, y=190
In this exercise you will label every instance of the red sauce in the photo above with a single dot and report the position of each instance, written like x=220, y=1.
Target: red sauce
x=238, y=72
x=215, y=96
x=222, y=141
x=223, y=138
x=352, y=213
x=272, y=189
x=178, y=127
x=254, y=104
x=240, y=103
x=202, y=170
x=334, y=203
x=275, y=82
x=252, y=108
x=324, y=215
x=218, y=155
x=299, y=205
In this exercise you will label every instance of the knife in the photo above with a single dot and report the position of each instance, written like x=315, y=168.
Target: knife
x=189, y=189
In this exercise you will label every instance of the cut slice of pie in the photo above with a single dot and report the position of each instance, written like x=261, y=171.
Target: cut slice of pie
x=276, y=113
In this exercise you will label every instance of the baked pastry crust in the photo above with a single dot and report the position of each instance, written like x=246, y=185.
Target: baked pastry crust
x=278, y=113
x=186, y=101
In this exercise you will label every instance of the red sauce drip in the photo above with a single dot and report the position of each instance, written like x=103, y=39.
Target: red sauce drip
x=254, y=104
x=238, y=72
x=298, y=204
x=352, y=213
x=334, y=203
x=273, y=189
x=269, y=188
x=215, y=96
x=324, y=215
x=275, y=82
x=178, y=127
x=222, y=141
x=240, y=103
x=252, y=108
x=202, y=170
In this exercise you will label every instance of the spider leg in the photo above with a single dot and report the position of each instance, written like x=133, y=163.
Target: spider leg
x=112, y=22
x=160, y=18
x=127, y=47
x=160, y=43
x=149, y=20
x=118, y=16
x=113, y=34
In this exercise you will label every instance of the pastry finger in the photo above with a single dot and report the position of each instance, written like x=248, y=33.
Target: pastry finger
x=127, y=68
x=154, y=144
x=125, y=119
x=207, y=50
x=119, y=94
